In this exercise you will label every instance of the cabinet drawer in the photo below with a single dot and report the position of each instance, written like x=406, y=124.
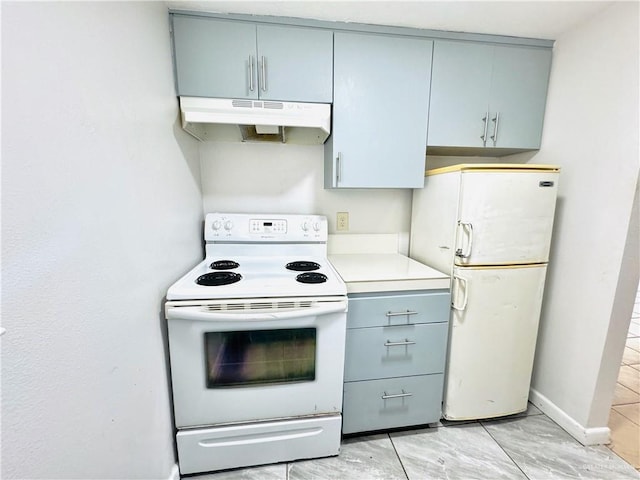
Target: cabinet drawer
x=381, y=310
x=391, y=403
x=384, y=352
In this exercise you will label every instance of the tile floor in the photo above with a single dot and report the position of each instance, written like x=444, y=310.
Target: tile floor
x=525, y=446
x=624, y=419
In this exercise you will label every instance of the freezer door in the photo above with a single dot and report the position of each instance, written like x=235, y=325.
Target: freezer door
x=494, y=326
x=505, y=217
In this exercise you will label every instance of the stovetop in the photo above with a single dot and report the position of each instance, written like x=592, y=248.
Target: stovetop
x=261, y=256
x=259, y=277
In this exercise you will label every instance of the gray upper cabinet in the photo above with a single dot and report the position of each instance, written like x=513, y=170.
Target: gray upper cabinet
x=488, y=96
x=231, y=59
x=380, y=111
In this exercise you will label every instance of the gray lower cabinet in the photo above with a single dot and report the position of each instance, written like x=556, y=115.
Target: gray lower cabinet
x=394, y=360
x=380, y=111
x=487, y=96
x=236, y=59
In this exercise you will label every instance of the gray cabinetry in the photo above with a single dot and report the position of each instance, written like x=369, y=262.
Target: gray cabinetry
x=235, y=59
x=487, y=96
x=395, y=359
x=380, y=111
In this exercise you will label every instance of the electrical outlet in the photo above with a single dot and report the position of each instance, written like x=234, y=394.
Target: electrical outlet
x=342, y=223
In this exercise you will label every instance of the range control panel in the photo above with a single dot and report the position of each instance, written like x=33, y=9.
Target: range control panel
x=243, y=227
x=267, y=226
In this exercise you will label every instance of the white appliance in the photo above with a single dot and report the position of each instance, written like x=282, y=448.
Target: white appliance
x=256, y=340
x=256, y=120
x=490, y=226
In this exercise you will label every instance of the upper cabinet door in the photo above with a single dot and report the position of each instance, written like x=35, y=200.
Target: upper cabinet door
x=518, y=96
x=295, y=64
x=227, y=59
x=460, y=85
x=215, y=58
x=380, y=111
x=488, y=96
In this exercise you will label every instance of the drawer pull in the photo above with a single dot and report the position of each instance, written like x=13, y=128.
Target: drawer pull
x=406, y=342
x=397, y=314
x=397, y=395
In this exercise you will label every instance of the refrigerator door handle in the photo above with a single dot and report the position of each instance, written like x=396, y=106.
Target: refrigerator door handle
x=457, y=281
x=466, y=253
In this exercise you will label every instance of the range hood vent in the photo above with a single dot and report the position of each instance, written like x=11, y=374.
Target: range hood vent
x=255, y=120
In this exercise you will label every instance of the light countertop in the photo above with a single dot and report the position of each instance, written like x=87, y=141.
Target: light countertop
x=384, y=272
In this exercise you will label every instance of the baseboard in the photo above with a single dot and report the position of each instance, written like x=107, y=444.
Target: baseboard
x=586, y=436
x=175, y=473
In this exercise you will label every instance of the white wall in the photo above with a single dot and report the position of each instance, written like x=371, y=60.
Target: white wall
x=101, y=212
x=591, y=131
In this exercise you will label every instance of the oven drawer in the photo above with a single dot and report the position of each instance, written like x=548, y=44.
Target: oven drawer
x=391, y=403
x=217, y=448
x=384, y=352
x=376, y=310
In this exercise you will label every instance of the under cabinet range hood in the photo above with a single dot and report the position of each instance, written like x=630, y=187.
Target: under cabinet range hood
x=255, y=120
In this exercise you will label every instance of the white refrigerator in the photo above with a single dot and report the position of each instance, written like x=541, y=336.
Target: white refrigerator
x=489, y=226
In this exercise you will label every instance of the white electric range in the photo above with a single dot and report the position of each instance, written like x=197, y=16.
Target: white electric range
x=256, y=338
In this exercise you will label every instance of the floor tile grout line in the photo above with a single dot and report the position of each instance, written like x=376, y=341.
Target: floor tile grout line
x=398, y=456
x=502, y=448
x=624, y=416
x=632, y=392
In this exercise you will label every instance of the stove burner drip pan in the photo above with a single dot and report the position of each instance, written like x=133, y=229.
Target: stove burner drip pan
x=311, y=277
x=302, y=266
x=224, y=265
x=214, y=279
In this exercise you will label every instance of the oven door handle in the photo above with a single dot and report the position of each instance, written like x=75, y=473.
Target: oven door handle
x=198, y=314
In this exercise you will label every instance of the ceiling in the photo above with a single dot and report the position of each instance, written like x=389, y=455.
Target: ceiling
x=533, y=19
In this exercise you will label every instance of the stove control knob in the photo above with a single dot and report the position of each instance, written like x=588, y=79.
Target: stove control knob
x=216, y=225
x=305, y=226
x=228, y=225
x=316, y=226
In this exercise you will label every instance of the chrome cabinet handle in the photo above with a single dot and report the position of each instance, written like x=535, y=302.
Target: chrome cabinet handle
x=459, y=280
x=406, y=342
x=263, y=72
x=397, y=314
x=338, y=168
x=467, y=252
x=251, y=73
x=397, y=395
x=494, y=137
x=485, y=119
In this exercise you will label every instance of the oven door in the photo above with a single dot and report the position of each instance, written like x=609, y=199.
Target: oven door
x=256, y=360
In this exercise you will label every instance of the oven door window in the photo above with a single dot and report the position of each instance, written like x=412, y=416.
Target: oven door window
x=257, y=357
